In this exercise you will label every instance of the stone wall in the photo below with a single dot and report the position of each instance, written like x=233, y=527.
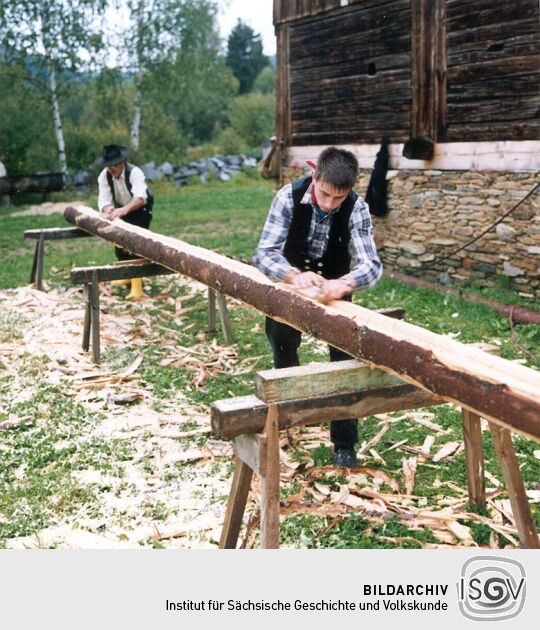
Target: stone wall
x=432, y=213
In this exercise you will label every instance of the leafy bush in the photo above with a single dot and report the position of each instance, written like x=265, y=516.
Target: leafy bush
x=265, y=83
x=228, y=141
x=252, y=118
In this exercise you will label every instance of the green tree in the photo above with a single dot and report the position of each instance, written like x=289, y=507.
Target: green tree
x=194, y=87
x=245, y=55
x=51, y=39
x=97, y=112
x=252, y=117
x=157, y=29
x=265, y=83
x=25, y=145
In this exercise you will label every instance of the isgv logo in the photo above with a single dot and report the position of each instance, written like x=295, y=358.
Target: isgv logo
x=491, y=588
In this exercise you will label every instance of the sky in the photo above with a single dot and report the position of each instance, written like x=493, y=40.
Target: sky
x=255, y=13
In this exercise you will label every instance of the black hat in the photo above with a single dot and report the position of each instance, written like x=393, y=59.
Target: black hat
x=112, y=154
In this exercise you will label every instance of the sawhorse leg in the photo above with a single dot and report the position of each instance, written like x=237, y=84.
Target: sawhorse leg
x=91, y=318
x=259, y=453
x=225, y=321
x=236, y=505
x=474, y=458
x=270, y=482
x=223, y=315
x=36, y=275
x=211, y=310
x=521, y=510
x=87, y=317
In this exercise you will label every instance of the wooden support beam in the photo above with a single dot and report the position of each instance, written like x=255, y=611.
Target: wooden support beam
x=38, y=249
x=224, y=318
x=320, y=379
x=38, y=257
x=47, y=234
x=236, y=505
x=283, y=86
x=494, y=388
x=251, y=449
x=93, y=289
x=474, y=457
x=247, y=414
x=428, y=73
x=270, y=482
x=223, y=315
x=87, y=318
x=211, y=310
x=107, y=273
x=55, y=234
x=521, y=510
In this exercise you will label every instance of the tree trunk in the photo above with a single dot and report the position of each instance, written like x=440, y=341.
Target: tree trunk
x=492, y=387
x=136, y=122
x=58, y=131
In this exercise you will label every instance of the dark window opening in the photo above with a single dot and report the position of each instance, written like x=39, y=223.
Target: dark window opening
x=371, y=69
x=496, y=48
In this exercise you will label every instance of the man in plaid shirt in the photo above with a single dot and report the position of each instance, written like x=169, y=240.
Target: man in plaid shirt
x=305, y=243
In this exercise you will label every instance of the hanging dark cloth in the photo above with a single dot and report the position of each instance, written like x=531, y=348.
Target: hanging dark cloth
x=377, y=192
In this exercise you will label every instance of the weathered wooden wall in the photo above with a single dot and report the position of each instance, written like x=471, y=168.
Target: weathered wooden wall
x=285, y=10
x=493, y=70
x=455, y=70
x=349, y=75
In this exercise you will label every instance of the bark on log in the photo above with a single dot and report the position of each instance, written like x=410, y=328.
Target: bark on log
x=518, y=314
x=496, y=389
x=48, y=182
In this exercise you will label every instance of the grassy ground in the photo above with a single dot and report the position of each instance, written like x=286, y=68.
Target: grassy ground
x=227, y=217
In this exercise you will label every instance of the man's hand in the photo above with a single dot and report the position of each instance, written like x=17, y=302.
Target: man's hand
x=107, y=210
x=119, y=213
x=335, y=290
x=305, y=279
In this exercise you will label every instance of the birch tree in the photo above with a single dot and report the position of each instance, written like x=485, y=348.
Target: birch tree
x=154, y=33
x=52, y=39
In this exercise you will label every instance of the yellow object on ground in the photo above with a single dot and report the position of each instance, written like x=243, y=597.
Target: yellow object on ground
x=121, y=283
x=136, y=292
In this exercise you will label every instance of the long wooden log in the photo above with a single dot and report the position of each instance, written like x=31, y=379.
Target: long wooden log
x=504, y=392
x=517, y=313
x=46, y=182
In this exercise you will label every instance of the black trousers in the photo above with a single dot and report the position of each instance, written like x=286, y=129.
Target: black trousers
x=285, y=342
x=141, y=217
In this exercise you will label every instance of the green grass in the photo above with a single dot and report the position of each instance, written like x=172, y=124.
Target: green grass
x=37, y=461
x=36, y=483
x=216, y=216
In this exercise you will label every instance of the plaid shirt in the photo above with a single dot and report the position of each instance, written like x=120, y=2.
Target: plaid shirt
x=366, y=267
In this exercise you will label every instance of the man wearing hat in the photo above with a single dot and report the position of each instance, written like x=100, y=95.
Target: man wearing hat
x=123, y=194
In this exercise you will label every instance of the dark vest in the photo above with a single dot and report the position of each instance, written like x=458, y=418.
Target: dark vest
x=336, y=260
x=144, y=212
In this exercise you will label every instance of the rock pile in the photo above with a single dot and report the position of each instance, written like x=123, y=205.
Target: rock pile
x=222, y=167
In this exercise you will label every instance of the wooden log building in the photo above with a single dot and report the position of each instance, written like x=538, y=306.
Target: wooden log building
x=453, y=84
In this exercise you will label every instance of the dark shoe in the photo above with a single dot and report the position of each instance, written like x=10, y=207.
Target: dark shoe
x=345, y=457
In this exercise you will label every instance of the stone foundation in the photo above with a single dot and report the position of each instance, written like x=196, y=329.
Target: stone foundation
x=432, y=213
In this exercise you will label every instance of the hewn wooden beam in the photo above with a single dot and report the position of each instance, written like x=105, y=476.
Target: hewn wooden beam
x=496, y=389
x=106, y=273
x=320, y=379
x=283, y=86
x=247, y=414
x=54, y=234
x=428, y=73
